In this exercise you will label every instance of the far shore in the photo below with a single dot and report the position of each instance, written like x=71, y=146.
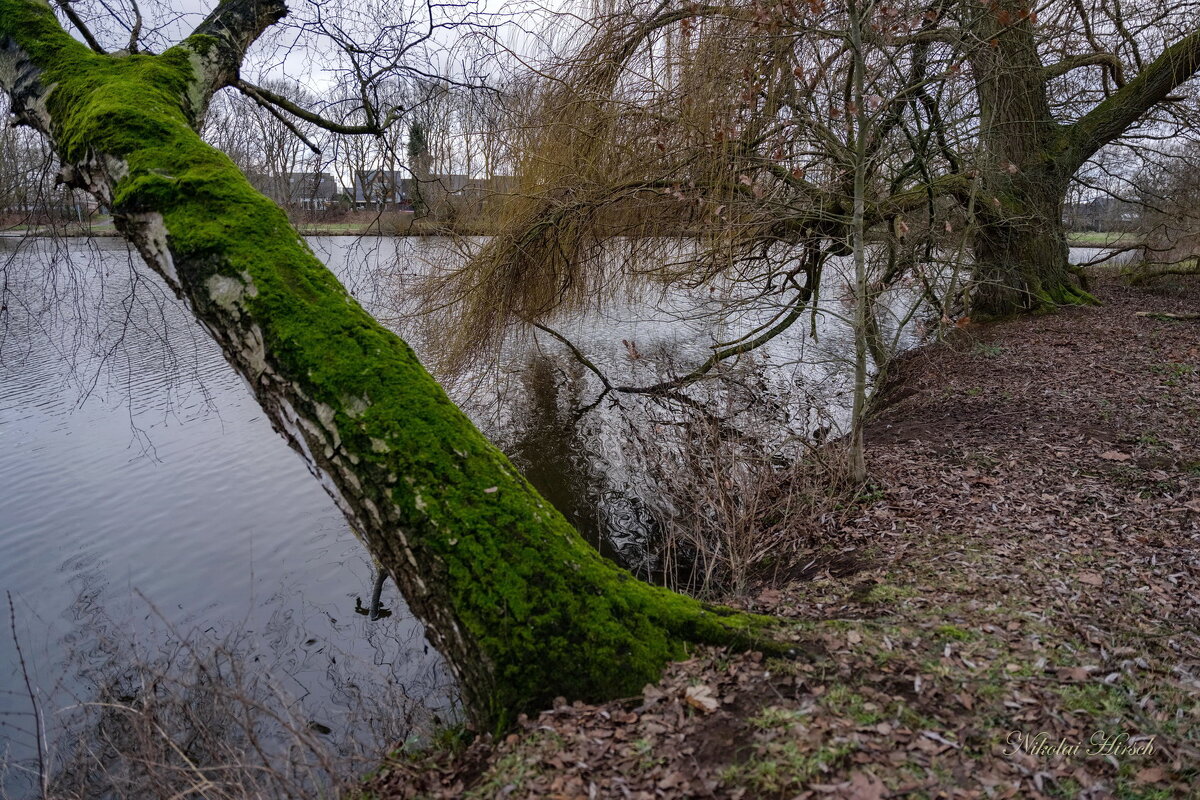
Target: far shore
x=329, y=229
x=105, y=229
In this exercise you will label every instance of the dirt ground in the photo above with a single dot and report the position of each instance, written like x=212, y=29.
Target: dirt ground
x=1015, y=610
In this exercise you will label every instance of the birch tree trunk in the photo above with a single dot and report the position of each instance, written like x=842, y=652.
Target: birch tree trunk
x=521, y=607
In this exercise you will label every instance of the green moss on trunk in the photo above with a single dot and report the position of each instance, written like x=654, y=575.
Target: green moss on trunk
x=1021, y=266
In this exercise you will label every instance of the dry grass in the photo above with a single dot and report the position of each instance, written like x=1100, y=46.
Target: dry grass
x=733, y=511
x=204, y=717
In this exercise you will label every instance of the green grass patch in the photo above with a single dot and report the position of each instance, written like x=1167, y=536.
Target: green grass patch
x=888, y=593
x=780, y=766
x=513, y=769
x=953, y=633
x=1095, y=699
x=777, y=718
x=841, y=700
x=1100, y=239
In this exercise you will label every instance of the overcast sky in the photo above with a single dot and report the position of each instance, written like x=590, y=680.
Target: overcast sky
x=290, y=50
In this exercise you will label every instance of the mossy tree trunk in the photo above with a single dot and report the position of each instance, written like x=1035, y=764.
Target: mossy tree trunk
x=522, y=608
x=1020, y=245
x=1027, y=158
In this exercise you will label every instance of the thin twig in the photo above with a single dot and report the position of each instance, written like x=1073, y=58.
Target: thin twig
x=43, y=777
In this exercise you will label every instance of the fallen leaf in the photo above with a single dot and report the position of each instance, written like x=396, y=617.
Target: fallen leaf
x=864, y=786
x=652, y=694
x=701, y=697
x=1150, y=775
x=1091, y=578
x=768, y=597
x=1115, y=455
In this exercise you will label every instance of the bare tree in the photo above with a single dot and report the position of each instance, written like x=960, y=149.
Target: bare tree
x=1169, y=219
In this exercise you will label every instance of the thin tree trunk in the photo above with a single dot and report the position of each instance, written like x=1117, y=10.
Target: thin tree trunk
x=521, y=607
x=857, y=455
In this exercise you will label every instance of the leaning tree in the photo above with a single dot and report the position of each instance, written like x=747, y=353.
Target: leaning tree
x=521, y=607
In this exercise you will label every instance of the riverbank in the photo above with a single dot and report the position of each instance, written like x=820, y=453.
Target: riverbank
x=103, y=227
x=1011, y=612
x=1102, y=239
x=388, y=225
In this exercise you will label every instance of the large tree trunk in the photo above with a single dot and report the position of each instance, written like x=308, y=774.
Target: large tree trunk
x=1020, y=249
x=1020, y=244
x=523, y=609
x=1027, y=158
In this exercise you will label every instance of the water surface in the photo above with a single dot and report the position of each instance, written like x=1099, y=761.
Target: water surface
x=144, y=498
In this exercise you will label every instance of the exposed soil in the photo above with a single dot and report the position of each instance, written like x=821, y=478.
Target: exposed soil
x=1025, y=622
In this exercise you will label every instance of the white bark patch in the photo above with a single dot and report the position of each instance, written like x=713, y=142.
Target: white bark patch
x=254, y=351
x=349, y=476
x=314, y=433
x=290, y=421
x=373, y=512
x=296, y=427
x=117, y=168
x=226, y=292
x=206, y=68
x=23, y=80
x=151, y=237
x=379, y=445
x=325, y=413
x=100, y=174
x=355, y=406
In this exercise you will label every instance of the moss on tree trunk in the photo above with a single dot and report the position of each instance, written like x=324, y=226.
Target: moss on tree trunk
x=523, y=609
x=1020, y=245
x=1021, y=252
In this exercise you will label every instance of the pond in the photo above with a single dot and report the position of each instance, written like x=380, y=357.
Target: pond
x=145, y=501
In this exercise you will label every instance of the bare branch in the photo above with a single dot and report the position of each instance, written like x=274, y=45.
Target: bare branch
x=84, y=31
x=136, y=31
x=666, y=388
x=287, y=123
x=1109, y=60
x=264, y=96
x=1110, y=119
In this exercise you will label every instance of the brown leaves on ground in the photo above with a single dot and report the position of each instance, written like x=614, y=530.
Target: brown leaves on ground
x=1024, y=621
